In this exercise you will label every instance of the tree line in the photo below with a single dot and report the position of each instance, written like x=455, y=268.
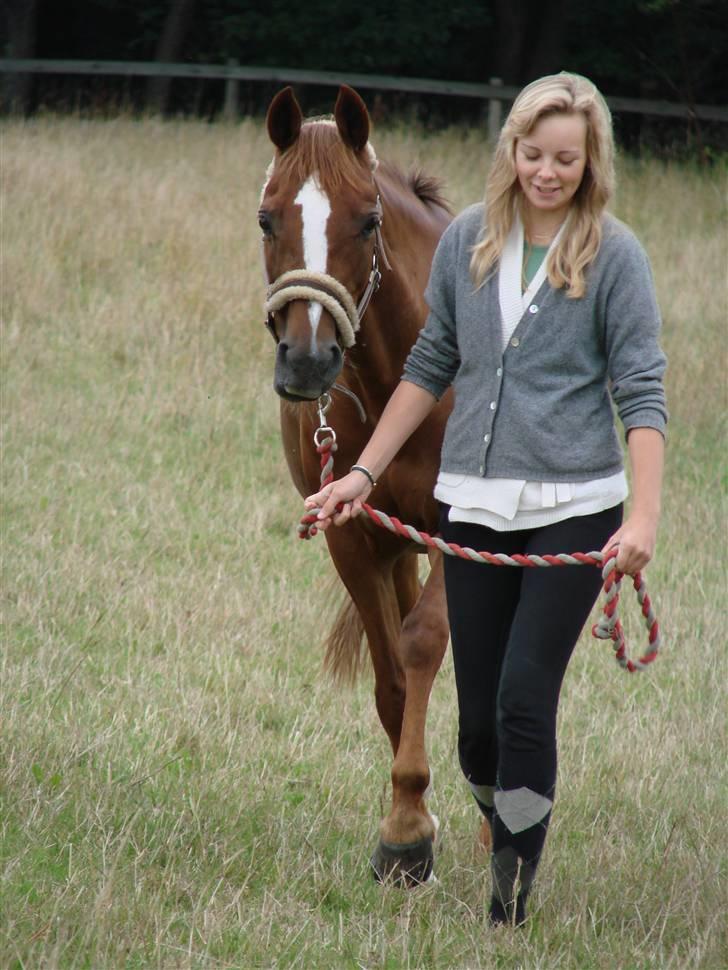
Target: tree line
x=656, y=49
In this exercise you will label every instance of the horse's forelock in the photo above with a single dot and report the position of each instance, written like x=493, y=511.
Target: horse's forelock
x=319, y=150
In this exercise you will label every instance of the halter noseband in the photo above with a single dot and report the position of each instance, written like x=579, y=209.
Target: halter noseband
x=300, y=284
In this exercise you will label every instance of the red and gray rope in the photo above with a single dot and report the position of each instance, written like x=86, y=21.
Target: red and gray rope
x=608, y=627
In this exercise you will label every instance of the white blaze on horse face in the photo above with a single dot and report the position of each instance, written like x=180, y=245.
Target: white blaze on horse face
x=315, y=212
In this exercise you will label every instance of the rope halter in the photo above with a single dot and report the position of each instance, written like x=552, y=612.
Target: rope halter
x=301, y=284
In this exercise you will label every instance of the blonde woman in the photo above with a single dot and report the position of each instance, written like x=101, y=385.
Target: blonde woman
x=542, y=313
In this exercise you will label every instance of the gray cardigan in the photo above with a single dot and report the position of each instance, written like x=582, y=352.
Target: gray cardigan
x=540, y=410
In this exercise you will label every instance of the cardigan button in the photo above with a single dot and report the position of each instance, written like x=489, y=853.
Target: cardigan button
x=499, y=372
x=515, y=341
x=533, y=308
x=492, y=405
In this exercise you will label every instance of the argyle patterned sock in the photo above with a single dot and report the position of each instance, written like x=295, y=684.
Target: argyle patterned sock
x=520, y=823
x=483, y=795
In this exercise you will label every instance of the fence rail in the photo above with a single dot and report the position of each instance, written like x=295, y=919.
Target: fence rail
x=232, y=73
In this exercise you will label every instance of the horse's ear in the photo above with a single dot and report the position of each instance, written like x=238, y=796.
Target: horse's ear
x=284, y=118
x=352, y=118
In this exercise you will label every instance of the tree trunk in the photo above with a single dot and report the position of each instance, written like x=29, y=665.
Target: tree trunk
x=511, y=19
x=21, y=19
x=169, y=49
x=531, y=38
x=549, y=36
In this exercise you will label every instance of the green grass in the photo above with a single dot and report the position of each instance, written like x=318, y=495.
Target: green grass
x=180, y=786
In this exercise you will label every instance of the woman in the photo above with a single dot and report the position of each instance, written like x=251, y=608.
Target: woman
x=542, y=306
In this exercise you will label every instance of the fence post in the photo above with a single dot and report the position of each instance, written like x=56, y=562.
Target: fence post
x=230, y=106
x=494, y=112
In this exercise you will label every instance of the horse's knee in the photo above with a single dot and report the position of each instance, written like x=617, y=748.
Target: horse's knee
x=412, y=779
x=423, y=640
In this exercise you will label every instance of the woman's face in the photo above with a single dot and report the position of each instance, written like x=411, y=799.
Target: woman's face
x=550, y=163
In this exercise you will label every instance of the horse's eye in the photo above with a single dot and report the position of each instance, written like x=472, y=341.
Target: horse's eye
x=369, y=226
x=265, y=224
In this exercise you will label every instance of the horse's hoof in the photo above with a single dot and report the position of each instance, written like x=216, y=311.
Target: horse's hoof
x=403, y=865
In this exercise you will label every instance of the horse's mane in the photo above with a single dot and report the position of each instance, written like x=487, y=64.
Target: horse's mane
x=319, y=149
x=427, y=188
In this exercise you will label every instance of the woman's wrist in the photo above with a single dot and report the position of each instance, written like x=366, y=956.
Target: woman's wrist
x=366, y=472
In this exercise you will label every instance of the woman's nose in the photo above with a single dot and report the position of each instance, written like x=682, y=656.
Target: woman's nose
x=546, y=170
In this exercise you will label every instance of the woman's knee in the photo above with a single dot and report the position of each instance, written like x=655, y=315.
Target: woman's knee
x=525, y=717
x=476, y=745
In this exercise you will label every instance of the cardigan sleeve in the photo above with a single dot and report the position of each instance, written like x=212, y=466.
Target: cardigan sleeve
x=434, y=358
x=635, y=361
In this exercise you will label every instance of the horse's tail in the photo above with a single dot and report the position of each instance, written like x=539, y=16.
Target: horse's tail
x=345, y=651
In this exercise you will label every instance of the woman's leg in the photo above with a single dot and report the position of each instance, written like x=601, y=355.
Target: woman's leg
x=481, y=603
x=553, y=606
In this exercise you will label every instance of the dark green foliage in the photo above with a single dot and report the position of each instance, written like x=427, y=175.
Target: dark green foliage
x=667, y=48
x=670, y=50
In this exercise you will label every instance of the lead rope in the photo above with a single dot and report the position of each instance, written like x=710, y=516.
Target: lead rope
x=608, y=627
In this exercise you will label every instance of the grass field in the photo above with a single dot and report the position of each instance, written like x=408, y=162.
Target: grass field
x=180, y=784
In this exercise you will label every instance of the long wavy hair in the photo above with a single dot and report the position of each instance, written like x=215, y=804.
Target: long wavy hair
x=562, y=93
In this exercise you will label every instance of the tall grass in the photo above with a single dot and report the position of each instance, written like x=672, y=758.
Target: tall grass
x=181, y=787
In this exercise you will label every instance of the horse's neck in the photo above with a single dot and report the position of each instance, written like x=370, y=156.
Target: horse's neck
x=398, y=310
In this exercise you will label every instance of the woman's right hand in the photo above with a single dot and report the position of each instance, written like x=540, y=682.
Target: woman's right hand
x=349, y=492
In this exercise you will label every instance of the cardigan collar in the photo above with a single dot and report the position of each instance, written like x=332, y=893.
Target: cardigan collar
x=514, y=303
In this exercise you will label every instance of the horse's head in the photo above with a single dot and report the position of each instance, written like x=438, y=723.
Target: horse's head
x=319, y=214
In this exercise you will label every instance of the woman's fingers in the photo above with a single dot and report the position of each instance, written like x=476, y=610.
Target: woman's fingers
x=316, y=500
x=636, y=543
x=326, y=500
x=611, y=542
x=343, y=515
x=631, y=559
x=339, y=501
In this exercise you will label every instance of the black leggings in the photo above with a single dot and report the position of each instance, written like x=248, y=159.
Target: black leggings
x=513, y=632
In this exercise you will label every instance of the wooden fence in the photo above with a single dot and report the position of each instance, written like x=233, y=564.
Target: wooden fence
x=494, y=93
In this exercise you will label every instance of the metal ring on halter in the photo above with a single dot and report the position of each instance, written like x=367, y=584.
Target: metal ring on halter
x=323, y=404
x=324, y=430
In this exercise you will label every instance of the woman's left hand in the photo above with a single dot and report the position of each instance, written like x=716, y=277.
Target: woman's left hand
x=636, y=540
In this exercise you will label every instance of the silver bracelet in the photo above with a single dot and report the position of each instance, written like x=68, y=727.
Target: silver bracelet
x=364, y=471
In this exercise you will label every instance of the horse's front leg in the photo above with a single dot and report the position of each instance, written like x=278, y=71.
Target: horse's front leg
x=405, y=852
x=366, y=571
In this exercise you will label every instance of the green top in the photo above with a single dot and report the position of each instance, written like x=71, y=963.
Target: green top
x=533, y=256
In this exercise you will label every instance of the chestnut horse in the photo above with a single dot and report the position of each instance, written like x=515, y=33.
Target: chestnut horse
x=331, y=216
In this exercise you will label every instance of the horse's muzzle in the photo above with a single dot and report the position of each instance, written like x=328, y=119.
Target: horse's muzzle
x=304, y=375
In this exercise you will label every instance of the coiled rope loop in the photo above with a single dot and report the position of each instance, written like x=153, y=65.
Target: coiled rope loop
x=608, y=627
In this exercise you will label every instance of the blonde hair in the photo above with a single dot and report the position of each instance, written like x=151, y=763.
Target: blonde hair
x=562, y=93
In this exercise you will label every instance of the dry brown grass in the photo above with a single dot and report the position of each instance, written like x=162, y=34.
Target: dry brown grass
x=180, y=785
